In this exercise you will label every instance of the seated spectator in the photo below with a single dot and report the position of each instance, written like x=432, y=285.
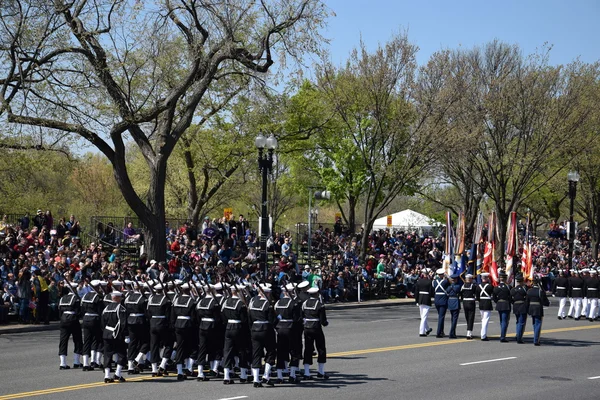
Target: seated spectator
x=130, y=234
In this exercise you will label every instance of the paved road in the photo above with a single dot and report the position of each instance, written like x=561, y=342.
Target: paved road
x=374, y=353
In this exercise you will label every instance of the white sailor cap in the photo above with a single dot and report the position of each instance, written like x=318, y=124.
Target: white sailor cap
x=152, y=262
x=468, y=276
x=103, y=283
x=198, y=285
x=585, y=270
x=313, y=290
x=593, y=271
x=484, y=274
x=128, y=282
x=116, y=293
x=158, y=286
x=440, y=271
x=178, y=282
x=73, y=284
x=117, y=283
x=265, y=288
x=144, y=285
x=185, y=286
x=95, y=282
x=217, y=286
x=303, y=284
x=289, y=286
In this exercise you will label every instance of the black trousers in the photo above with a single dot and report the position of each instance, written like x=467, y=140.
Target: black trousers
x=297, y=334
x=263, y=340
x=160, y=338
x=183, y=337
x=208, y=342
x=66, y=331
x=454, y=321
x=287, y=349
x=314, y=338
x=470, y=316
x=139, y=340
x=236, y=343
x=41, y=313
x=92, y=337
x=112, y=347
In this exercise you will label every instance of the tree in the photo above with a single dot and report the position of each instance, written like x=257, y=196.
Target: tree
x=389, y=116
x=109, y=72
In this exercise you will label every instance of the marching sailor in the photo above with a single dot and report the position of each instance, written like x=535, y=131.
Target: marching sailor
x=91, y=307
x=561, y=289
x=69, y=310
x=114, y=325
x=314, y=318
x=424, y=291
x=262, y=321
x=483, y=294
x=467, y=294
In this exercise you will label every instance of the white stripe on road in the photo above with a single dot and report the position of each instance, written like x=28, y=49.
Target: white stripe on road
x=488, y=361
x=235, y=398
x=594, y=377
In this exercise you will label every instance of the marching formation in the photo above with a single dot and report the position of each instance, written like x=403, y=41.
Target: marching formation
x=220, y=329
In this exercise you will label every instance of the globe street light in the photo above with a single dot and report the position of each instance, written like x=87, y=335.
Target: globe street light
x=265, y=166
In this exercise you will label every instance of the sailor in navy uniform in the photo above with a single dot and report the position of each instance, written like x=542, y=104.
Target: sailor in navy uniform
x=536, y=301
x=560, y=289
x=424, y=293
x=314, y=315
x=91, y=308
x=592, y=288
x=502, y=298
x=453, y=291
x=183, y=319
x=467, y=295
x=139, y=329
x=577, y=288
x=262, y=322
x=208, y=313
x=235, y=317
x=519, y=296
x=289, y=314
x=159, y=314
x=301, y=296
x=69, y=310
x=114, y=325
x=483, y=293
x=440, y=286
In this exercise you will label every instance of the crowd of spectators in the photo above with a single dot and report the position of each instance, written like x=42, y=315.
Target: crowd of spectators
x=37, y=255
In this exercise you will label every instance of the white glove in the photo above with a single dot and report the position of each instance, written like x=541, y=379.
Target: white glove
x=127, y=340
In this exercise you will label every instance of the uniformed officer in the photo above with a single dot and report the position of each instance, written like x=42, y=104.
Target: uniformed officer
x=424, y=293
x=483, y=293
x=114, y=325
x=138, y=329
x=183, y=319
x=577, y=288
x=536, y=301
x=262, y=322
x=519, y=295
x=561, y=289
x=440, y=286
x=69, y=310
x=235, y=315
x=159, y=314
x=301, y=296
x=314, y=318
x=289, y=314
x=467, y=294
x=208, y=313
x=585, y=275
x=453, y=303
x=502, y=298
x=592, y=288
x=91, y=307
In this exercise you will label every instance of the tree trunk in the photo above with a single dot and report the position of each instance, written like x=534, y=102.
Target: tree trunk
x=154, y=222
x=365, y=239
x=352, y=214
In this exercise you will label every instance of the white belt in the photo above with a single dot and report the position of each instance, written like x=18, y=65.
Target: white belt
x=312, y=320
x=560, y=287
x=576, y=288
x=423, y=292
x=136, y=315
x=592, y=288
x=89, y=314
x=261, y=322
x=187, y=317
x=159, y=316
x=441, y=293
x=485, y=297
x=286, y=320
x=469, y=299
x=234, y=321
x=110, y=328
x=69, y=312
x=208, y=319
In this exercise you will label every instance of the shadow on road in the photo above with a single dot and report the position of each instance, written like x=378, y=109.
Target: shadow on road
x=339, y=380
x=567, y=342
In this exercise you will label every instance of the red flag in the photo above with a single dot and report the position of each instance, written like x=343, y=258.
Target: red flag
x=492, y=241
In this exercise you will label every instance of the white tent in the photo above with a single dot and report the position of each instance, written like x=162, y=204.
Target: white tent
x=406, y=220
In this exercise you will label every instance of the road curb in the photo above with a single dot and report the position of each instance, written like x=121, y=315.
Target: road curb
x=5, y=330
x=370, y=304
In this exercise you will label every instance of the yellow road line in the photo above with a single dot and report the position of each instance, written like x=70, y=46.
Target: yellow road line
x=331, y=355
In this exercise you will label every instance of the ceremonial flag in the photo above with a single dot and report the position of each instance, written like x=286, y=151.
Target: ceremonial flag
x=527, y=258
x=449, y=248
x=459, y=244
x=490, y=250
x=476, y=258
x=511, y=243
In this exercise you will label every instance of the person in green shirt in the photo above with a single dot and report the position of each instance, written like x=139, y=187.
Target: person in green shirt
x=381, y=266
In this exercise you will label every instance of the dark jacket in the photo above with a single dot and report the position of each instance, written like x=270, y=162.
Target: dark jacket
x=536, y=300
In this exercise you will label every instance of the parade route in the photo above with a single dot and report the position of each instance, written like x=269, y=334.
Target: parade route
x=383, y=358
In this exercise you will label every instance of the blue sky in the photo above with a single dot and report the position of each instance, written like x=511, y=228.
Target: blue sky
x=571, y=27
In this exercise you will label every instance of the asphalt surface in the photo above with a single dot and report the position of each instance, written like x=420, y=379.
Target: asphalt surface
x=374, y=353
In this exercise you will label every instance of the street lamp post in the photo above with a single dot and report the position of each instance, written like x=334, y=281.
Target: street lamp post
x=319, y=195
x=265, y=166
x=573, y=178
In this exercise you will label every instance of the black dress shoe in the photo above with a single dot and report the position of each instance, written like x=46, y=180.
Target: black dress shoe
x=469, y=337
x=423, y=335
x=294, y=380
x=307, y=377
x=77, y=366
x=228, y=382
x=94, y=365
x=108, y=380
x=536, y=344
x=118, y=378
x=131, y=372
x=181, y=377
x=577, y=319
x=503, y=341
x=163, y=372
x=485, y=339
x=156, y=374
x=559, y=317
x=520, y=342
x=570, y=316
x=591, y=319
x=202, y=379
x=322, y=376
x=279, y=381
x=452, y=337
x=246, y=380
x=64, y=367
x=268, y=382
x=439, y=336
x=429, y=331
x=258, y=385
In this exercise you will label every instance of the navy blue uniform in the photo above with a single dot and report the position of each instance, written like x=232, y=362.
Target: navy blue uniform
x=440, y=287
x=453, y=306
